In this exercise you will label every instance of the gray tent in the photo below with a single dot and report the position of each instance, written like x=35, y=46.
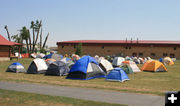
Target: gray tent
x=16, y=68
x=57, y=68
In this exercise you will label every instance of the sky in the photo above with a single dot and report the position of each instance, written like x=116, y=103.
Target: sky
x=94, y=19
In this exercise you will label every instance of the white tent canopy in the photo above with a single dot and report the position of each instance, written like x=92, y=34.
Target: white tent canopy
x=118, y=61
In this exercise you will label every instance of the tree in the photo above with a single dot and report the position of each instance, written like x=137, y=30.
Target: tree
x=79, y=49
x=24, y=33
x=16, y=38
x=5, y=27
x=33, y=29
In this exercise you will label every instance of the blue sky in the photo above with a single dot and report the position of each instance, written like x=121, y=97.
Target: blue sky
x=95, y=19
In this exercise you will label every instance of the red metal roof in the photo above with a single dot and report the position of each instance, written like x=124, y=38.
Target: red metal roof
x=4, y=41
x=122, y=41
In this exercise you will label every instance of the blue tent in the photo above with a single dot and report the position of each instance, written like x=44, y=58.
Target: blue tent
x=50, y=56
x=117, y=74
x=161, y=59
x=16, y=68
x=86, y=68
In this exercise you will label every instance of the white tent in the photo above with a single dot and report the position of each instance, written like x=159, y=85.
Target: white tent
x=118, y=61
x=105, y=65
x=37, y=66
x=132, y=65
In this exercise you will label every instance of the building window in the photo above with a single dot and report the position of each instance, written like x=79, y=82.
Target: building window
x=172, y=55
x=165, y=54
x=175, y=48
x=134, y=54
x=102, y=47
x=153, y=54
x=140, y=54
x=62, y=46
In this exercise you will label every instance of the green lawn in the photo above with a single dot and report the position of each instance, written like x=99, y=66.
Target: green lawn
x=14, y=98
x=143, y=82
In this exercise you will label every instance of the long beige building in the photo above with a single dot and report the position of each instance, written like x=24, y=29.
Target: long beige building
x=139, y=48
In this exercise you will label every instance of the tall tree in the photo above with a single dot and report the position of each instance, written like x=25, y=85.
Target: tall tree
x=33, y=29
x=16, y=38
x=30, y=48
x=45, y=40
x=41, y=39
x=24, y=33
x=79, y=49
x=5, y=27
x=38, y=25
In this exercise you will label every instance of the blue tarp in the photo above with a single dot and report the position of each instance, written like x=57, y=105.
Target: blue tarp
x=16, y=63
x=117, y=74
x=82, y=64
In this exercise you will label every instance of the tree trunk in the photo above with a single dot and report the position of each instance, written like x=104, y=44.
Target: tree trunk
x=29, y=41
x=33, y=41
x=45, y=40
x=37, y=34
x=41, y=39
x=7, y=32
x=27, y=45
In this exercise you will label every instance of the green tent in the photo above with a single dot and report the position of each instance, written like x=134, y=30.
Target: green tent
x=127, y=69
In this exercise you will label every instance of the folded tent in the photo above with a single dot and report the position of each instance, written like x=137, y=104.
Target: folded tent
x=16, y=68
x=86, y=68
x=37, y=66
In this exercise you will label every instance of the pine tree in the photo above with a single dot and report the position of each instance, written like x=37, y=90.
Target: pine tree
x=79, y=49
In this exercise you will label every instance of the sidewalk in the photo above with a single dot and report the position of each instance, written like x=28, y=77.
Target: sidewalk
x=131, y=99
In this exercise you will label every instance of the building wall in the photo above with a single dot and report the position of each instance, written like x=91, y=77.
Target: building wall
x=151, y=51
x=4, y=51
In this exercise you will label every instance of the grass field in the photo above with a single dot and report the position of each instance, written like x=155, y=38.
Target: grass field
x=14, y=98
x=143, y=82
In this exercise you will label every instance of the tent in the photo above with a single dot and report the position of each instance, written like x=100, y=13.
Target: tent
x=128, y=58
x=117, y=61
x=49, y=61
x=16, y=68
x=37, y=66
x=117, y=74
x=168, y=61
x=57, y=68
x=41, y=55
x=66, y=59
x=57, y=56
x=132, y=65
x=86, y=68
x=105, y=65
x=127, y=69
x=153, y=66
x=54, y=56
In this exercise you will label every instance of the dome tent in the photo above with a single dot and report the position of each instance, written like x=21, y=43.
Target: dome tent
x=37, y=66
x=16, y=68
x=57, y=68
x=117, y=74
x=86, y=68
x=117, y=61
x=153, y=66
x=105, y=65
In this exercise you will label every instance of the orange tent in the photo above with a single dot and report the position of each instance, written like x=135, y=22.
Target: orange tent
x=154, y=66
